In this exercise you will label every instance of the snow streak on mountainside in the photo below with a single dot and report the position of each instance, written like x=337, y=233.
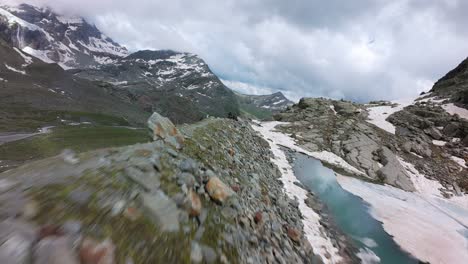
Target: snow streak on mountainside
x=69, y=41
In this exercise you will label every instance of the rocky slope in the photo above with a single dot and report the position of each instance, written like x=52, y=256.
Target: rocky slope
x=340, y=127
x=454, y=85
x=215, y=198
x=262, y=106
x=69, y=41
x=178, y=85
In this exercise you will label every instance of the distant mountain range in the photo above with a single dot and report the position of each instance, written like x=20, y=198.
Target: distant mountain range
x=178, y=85
x=263, y=106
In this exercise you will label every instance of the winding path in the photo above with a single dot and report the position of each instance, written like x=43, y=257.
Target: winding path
x=11, y=136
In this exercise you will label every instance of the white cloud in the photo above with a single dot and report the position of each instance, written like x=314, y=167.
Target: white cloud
x=361, y=50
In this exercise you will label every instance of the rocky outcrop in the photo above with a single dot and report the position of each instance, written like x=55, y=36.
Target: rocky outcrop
x=340, y=127
x=163, y=129
x=429, y=137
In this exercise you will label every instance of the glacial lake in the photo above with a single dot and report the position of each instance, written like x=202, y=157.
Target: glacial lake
x=349, y=212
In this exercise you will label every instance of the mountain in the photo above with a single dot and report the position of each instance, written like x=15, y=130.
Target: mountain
x=454, y=85
x=178, y=85
x=33, y=93
x=263, y=106
x=69, y=41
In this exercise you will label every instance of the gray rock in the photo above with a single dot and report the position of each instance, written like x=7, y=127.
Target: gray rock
x=188, y=165
x=209, y=254
x=147, y=180
x=434, y=133
x=163, y=210
x=196, y=254
x=163, y=129
x=53, y=250
x=71, y=227
x=392, y=172
x=187, y=179
x=80, y=196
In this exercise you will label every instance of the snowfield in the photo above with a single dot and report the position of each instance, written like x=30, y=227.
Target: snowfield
x=378, y=114
x=453, y=109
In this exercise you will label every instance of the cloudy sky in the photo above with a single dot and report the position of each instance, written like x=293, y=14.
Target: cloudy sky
x=358, y=50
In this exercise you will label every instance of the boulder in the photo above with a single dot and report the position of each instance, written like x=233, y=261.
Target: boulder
x=451, y=129
x=345, y=108
x=434, y=133
x=163, y=129
x=217, y=190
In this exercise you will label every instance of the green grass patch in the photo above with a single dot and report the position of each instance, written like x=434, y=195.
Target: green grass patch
x=252, y=111
x=14, y=119
x=77, y=138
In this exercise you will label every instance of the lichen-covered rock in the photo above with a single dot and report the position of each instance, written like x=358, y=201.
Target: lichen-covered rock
x=217, y=190
x=163, y=129
x=163, y=210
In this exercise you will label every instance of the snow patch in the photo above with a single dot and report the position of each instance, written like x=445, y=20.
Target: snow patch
x=14, y=69
x=439, y=142
x=378, y=114
x=27, y=60
x=459, y=161
x=40, y=54
x=453, y=109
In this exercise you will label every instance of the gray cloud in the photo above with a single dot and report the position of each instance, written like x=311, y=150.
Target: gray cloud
x=359, y=50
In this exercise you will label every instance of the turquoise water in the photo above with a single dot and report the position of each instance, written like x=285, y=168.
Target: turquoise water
x=349, y=212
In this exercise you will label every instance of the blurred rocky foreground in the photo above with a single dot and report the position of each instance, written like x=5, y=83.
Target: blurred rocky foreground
x=204, y=193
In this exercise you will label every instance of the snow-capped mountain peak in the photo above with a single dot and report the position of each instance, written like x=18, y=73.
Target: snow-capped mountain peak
x=67, y=40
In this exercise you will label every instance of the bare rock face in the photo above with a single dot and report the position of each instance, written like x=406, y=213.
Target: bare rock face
x=392, y=171
x=163, y=129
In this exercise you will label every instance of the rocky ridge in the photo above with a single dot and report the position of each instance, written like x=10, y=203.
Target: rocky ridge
x=216, y=200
